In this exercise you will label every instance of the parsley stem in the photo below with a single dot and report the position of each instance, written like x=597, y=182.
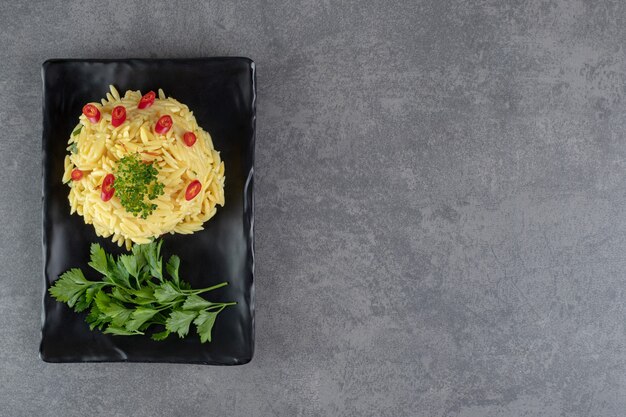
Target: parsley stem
x=169, y=305
x=224, y=305
x=221, y=306
x=223, y=284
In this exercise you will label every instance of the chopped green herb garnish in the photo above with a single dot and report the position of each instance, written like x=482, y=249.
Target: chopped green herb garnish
x=136, y=185
x=77, y=130
x=73, y=147
x=135, y=297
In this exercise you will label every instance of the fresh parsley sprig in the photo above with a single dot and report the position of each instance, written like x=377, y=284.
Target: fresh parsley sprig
x=134, y=296
x=136, y=185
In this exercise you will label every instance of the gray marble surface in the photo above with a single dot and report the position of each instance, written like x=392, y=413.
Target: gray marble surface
x=441, y=218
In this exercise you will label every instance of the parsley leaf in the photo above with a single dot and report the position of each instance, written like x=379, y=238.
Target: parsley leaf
x=96, y=319
x=204, y=323
x=118, y=274
x=161, y=335
x=70, y=285
x=83, y=303
x=172, y=267
x=179, y=322
x=166, y=293
x=195, y=302
x=139, y=317
x=155, y=262
x=120, y=331
x=99, y=259
x=144, y=295
x=130, y=264
x=72, y=288
x=113, y=309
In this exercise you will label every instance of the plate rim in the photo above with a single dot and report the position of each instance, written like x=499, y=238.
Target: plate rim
x=248, y=195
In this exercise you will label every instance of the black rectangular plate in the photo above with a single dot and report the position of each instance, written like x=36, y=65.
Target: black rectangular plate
x=221, y=93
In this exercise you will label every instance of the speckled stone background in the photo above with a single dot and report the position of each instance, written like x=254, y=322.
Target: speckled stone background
x=441, y=220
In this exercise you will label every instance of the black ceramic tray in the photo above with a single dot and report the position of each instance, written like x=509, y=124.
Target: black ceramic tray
x=221, y=93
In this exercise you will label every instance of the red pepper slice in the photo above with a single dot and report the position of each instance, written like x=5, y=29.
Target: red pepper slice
x=189, y=138
x=77, y=174
x=118, y=115
x=107, y=190
x=92, y=113
x=147, y=100
x=163, y=124
x=192, y=190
